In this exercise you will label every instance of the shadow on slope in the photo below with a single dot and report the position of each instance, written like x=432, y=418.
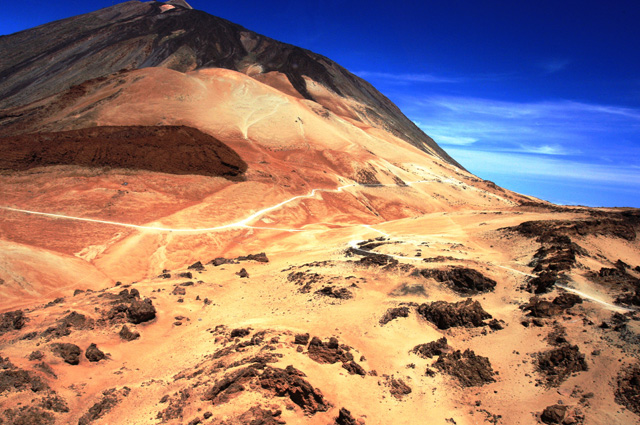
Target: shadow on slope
x=165, y=149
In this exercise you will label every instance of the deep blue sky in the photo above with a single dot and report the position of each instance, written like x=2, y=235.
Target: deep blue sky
x=542, y=97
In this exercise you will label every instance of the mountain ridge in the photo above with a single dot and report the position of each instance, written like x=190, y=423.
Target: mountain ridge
x=182, y=39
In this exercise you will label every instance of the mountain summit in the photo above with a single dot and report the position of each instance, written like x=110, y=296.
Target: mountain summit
x=136, y=35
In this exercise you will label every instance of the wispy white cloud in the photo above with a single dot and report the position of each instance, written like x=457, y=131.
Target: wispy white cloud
x=546, y=150
x=517, y=164
x=406, y=78
x=559, y=150
x=550, y=127
x=454, y=140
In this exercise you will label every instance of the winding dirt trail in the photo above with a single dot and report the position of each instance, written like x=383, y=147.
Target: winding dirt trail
x=245, y=222
x=354, y=244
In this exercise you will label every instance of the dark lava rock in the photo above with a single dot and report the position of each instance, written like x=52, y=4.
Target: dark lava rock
x=554, y=414
x=328, y=352
x=196, y=266
x=558, y=364
x=394, y=313
x=221, y=261
x=378, y=260
x=470, y=370
x=445, y=315
x=398, y=388
x=36, y=355
x=54, y=403
x=538, y=307
x=618, y=224
x=28, y=415
x=306, y=280
x=567, y=300
x=70, y=353
x=141, y=311
x=231, y=384
x=240, y=332
x=12, y=320
x=496, y=325
x=301, y=339
x=462, y=280
x=110, y=398
x=560, y=256
x=345, y=418
x=628, y=389
x=15, y=379
x=354, y=368
x=260, y=258
x=126, y=334
x=179, y=290
x=543, y=283
x=333, y=292
x=243, y=273
x=621, y=265
x=64, y=326
x=287, y=382
x=93, y=353
x=186, y=275
x=165, y=276
x=431, y=349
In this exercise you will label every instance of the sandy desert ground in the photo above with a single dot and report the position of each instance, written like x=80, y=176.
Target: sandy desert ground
x=302, y=264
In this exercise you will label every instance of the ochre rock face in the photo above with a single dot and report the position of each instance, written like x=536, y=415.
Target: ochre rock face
x=199, y=224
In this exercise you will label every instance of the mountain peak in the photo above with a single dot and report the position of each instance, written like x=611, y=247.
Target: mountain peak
x=179, y=3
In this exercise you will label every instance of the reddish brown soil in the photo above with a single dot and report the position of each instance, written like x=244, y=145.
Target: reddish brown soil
x=166, y=149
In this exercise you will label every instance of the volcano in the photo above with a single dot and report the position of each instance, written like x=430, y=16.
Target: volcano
x=200, y=224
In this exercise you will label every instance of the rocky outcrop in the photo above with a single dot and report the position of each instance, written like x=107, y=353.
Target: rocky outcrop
x=70, y=353
x=432, y=349
x=394, y=313
x=94, y=354
x=398, y=388
x=13, y=378
x=470, y=369
x=127, y=334
x=558, y=364
x=287, y=382
x=12, y=320
x=554, y=414
x=628, y=389
x=444, y=315
x=328, y=352
x=334, y=292
x=619, y=224
x=110, y=398
x=68, y=323
x=378, y=260
x=345, y=418
x=141, y=311
x=541, y=308
x=462, y=280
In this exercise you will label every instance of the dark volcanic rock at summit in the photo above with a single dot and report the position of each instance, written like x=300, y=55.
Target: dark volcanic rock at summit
x=51, y=58
x=166, y=149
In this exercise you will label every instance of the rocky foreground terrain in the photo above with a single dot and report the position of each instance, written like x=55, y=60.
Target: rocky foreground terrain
x=201, y=232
